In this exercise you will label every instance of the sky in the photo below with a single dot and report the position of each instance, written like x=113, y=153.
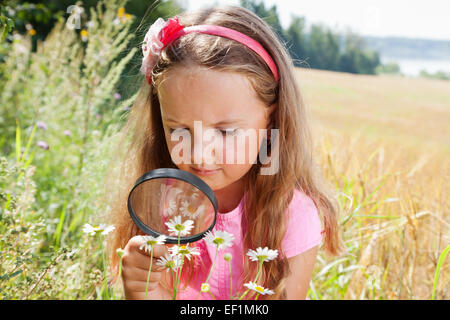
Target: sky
x=428, y=19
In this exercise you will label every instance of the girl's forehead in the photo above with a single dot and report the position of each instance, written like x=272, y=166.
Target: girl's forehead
x=205, y=94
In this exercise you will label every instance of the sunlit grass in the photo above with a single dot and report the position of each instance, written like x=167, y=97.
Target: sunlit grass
x=388, y=162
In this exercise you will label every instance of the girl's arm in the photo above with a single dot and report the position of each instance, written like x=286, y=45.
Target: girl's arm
x=301, y=267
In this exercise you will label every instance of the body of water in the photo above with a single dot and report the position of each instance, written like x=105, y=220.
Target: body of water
x=412, y=67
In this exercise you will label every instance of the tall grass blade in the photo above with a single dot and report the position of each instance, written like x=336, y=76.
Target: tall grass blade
x=438, y=270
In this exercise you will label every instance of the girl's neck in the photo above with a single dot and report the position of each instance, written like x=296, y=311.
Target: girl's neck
x=230, y=196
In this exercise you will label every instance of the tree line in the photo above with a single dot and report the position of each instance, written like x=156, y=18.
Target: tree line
x=318, y=46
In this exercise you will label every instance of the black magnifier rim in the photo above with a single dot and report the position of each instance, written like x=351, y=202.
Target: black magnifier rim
x=180, y=175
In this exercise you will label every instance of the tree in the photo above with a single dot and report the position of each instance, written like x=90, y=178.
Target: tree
x=356, y=58
x=268, y=15
x=296, y=40
x=323, y=48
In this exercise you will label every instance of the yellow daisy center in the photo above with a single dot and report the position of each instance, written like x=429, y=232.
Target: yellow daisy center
x=262, y=257
x=183, y=250
x=179, y=227
x=191, y=209
x=218, y=241
x=259, y=289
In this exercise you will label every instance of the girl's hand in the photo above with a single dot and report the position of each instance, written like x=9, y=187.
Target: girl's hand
x=135, y=265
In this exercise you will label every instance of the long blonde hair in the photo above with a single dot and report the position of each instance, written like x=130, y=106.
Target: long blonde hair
x=268, y=196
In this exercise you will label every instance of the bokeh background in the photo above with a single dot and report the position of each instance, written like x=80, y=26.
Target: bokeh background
x=375, y=77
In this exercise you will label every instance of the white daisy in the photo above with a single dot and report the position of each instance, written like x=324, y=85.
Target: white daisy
x=169, y=262
x=260, y=254
x=184, y=250
x=221, y=239
x=150, y=241
x=190, y=211
x=258, y=289
x=103, y=229
x=176, y=227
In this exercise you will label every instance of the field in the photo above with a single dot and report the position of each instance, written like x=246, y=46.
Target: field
x=383, y=144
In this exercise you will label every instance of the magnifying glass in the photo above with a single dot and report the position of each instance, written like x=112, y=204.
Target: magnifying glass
x=173, y=203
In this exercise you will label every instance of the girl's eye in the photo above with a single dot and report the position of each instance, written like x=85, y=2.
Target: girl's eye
x=228, y=131
x=171, y=130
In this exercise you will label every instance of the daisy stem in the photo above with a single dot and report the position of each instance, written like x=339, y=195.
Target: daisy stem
x=256, y=298
x=105, y=279
x=211, y=295
x=173, y=282
x=256, y=278
x=231, y=280
x=120, y=267
x=177, y=273
x=259, y=271
x=210, y=270
x=149, y=272
x=119, y=276
x=244, y=294
x=212, y=266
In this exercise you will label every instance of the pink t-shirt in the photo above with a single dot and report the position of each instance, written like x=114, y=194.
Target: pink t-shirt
x=303, y=233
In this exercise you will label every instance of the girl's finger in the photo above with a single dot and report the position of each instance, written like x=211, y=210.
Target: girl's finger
x=138, y=274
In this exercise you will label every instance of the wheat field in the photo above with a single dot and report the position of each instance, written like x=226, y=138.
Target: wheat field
x=384, y=143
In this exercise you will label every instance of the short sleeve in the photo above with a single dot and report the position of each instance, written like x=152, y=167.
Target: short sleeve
x=303, y=225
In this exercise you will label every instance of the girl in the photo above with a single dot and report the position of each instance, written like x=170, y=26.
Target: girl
x=229, y=81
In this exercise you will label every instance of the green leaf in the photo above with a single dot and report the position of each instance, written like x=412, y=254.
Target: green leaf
x=438, y=270
x=18, y=142
x=29, y=143
x=10, y=275
x=58, y=231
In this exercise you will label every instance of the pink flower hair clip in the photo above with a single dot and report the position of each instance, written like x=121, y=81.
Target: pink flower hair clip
x=156, y=39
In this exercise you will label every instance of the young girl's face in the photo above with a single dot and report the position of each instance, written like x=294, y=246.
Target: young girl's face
x=221, y=103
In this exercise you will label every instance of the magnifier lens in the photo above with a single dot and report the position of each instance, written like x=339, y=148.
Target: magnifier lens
x=172, y=207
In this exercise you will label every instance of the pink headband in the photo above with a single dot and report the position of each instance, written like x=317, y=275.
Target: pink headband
x=161, y=33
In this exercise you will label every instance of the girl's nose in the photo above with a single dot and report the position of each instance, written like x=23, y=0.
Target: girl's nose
x=203, y=148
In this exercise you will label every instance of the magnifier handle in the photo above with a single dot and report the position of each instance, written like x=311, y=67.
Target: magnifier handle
x=135, y=266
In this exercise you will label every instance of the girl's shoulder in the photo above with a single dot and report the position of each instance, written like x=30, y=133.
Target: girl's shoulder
x=301, y=200
x=303, y=225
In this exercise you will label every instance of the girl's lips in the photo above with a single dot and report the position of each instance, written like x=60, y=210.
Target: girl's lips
x=205, y=172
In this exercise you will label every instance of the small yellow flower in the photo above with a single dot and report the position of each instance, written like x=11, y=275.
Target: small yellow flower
x=84, y=35
x=32, y=32
x=205, y=287
x=121, y=12
x=128, y=16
